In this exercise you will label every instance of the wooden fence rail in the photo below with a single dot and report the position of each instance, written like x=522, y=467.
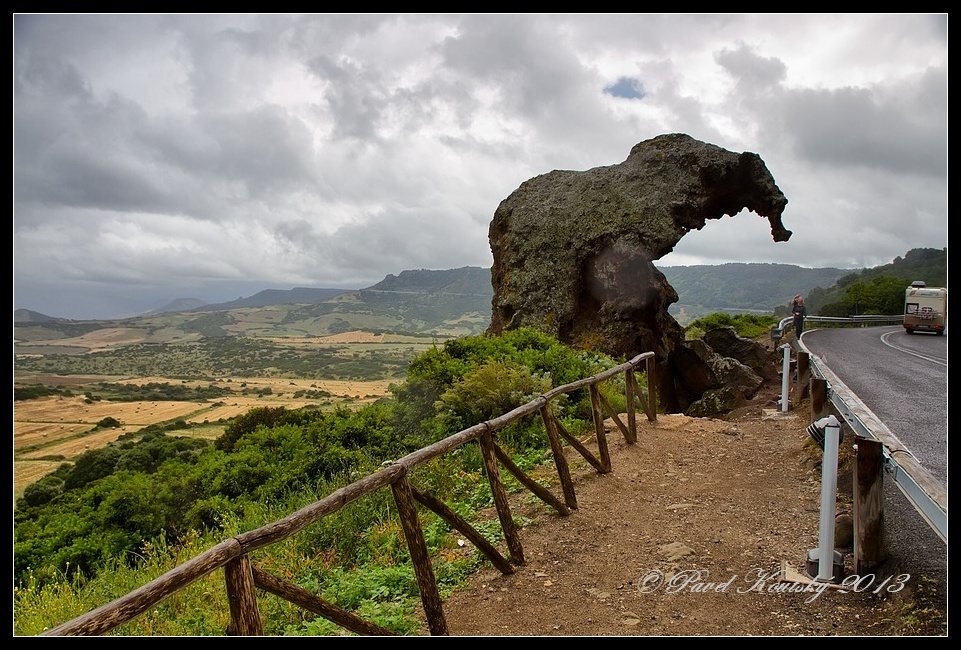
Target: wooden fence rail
x=242, y=578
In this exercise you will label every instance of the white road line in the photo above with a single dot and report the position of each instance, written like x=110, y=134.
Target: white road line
x=906, y=351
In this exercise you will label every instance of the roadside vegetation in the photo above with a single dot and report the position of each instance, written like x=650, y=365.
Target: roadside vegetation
x=749, y=326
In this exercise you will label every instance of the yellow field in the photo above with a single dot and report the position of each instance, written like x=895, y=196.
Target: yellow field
x=100, y=339
x=62, y=380
x=26, y=434
x=356, y=336
x=235, y=406
x=73, y=409
x=336, y=387
x=210, y=432
x=26, y=472
x=56, y=421
x=76, y=446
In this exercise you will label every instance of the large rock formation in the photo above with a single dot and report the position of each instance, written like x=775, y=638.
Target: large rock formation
x=573, y=251
x=726, y=342
x=726, y=371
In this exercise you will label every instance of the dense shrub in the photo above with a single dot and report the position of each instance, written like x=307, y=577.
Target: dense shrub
x=36, y=391
x=746, y=325
x=44, y=490
x=92, y=465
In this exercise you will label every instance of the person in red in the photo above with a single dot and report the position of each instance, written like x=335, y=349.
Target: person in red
x=799, y=312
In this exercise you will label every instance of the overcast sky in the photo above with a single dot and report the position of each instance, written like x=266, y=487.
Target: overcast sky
x=172, y=156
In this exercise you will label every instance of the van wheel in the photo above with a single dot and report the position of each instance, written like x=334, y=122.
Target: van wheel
x=939, y=332
x=908, y=330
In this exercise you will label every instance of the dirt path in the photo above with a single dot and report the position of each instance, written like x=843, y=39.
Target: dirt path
x=729, y=498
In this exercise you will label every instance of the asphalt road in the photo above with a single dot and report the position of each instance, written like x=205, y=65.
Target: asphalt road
x=902, y=378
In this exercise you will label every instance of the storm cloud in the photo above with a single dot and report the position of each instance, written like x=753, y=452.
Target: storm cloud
x=167, y=156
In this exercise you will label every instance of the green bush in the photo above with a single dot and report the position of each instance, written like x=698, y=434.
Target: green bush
x=490, y=390
x=43, y=491
x=92, y=465
x=747, y=325
x=36, y=391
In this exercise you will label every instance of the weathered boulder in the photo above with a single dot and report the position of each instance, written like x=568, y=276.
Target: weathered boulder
x=573, y=251
x=843, y=531
x=726, y=371
x=726, y=342
x=716, y=401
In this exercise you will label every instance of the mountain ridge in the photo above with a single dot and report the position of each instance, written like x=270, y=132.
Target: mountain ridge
x=176, y=305
x=31, y=316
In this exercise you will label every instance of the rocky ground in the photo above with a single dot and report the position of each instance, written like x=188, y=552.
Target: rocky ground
x=696, y=501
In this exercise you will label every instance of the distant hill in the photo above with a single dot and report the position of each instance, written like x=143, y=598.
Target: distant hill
x=177, y=306
x=928, y=264
x=465, y=281
x=450, y=302
x=749, y=286
x=30, y=316
x=268, y=297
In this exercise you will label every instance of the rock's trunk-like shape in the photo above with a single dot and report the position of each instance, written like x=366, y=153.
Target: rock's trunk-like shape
x=573, y=251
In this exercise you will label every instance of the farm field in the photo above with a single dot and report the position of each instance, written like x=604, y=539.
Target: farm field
x=29, y=434
x=232, y=356
x=58, y=410
x=289, y=365
x=278, y=385
x=71, y=447
x=55, y=429
x=101, y=339
x=26, y=472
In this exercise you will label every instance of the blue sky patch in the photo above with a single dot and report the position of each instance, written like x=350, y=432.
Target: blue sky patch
x=626, y=87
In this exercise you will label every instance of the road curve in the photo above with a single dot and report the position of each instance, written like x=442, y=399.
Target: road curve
x=903, y=379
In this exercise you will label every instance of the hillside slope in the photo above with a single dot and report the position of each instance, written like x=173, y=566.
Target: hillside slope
x=30, y=316
x=927, y=264
x=746, y=285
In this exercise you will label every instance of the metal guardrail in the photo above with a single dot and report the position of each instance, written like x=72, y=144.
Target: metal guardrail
x=777, y=331
x=922, y=489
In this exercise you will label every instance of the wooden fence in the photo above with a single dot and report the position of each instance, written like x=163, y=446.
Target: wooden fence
x=242, y=577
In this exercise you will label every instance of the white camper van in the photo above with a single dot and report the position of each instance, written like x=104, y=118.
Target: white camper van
x=925, y=308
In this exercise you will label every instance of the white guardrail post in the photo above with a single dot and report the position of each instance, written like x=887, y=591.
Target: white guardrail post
x=785, y=377
x=829, y=492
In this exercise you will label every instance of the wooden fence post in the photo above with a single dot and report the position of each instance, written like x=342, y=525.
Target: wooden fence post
x=242, y=598
x=578, y=447
x=500, y=498
x=819, y=398
x=802, y=387
x=614, y=417
x=631, y=415
x=426, y=583
x=602, y=450
x=539, y=490
x=440, y=509
x=314, y=603
x=651, y=390
x=869, y=549
x=560, y=460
